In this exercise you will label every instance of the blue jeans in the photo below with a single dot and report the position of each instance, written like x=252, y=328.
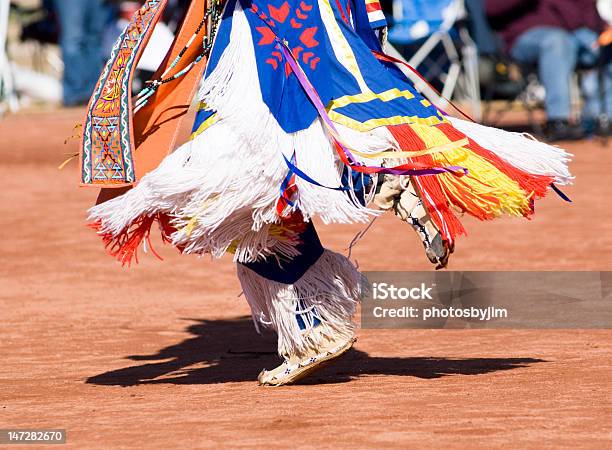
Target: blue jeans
x=486, y=41
x=557, y=52
x=82, y=25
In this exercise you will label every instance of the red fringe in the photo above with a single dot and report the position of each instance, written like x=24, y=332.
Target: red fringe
x=124, y=247
x=530, y=183
x=430, y=189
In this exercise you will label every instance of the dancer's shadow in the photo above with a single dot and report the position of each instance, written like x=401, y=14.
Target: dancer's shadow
x=230, y=350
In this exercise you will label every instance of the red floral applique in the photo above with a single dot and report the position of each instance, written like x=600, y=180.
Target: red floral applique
x=296, y=20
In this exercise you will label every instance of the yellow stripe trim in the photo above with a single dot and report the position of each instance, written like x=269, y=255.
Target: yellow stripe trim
x=381, y=122
x=340, y=44
x=205, y=125
x=365, y=97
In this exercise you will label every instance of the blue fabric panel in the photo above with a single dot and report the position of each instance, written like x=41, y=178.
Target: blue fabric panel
x=378, y=108
x=288, y=272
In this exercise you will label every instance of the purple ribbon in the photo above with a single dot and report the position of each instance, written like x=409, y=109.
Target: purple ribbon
x=316, y=101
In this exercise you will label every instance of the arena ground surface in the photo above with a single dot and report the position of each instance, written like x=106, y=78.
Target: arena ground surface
x=164, y=355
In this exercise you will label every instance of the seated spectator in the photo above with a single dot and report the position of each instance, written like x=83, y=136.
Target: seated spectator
x=555, y=35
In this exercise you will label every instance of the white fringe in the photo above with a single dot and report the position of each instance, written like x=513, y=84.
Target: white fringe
x=223, y=186
x=215, y=210
x=331, y=286
x=522, y=152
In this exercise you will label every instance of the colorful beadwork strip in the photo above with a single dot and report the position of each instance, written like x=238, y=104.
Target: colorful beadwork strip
x=107, y=147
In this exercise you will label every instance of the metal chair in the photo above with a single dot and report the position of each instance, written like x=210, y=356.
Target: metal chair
x=435, y=25
x=8, y=96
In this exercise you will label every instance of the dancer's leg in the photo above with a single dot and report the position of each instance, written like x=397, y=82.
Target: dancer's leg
x=309, y=301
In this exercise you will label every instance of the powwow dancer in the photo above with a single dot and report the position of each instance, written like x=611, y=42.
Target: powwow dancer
x=301, y=115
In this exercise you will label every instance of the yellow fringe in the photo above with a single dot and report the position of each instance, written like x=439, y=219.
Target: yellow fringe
x=483, y=180
x=193, y=221
x=277, y=231
x=65, y=163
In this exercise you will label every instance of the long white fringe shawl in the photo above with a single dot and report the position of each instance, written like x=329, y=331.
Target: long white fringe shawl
x=222, y=187
x=522, y=152
x=190, y=181
x=331, y=287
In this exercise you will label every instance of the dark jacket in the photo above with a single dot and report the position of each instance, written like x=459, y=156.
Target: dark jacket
x=513, y=17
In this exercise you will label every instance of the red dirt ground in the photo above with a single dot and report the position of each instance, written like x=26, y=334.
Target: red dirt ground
x=164, y=356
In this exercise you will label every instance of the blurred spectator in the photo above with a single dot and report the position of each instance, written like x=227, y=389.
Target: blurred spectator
x=480, y=30
x=175, y=12
x=82, y=24
x=497, y=79
x=45, y=28
x=555, y=35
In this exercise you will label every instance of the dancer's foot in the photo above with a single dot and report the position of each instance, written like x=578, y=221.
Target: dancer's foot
x=295, y=368
x=439, y=251
x=409, y=207
x=562, y=130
